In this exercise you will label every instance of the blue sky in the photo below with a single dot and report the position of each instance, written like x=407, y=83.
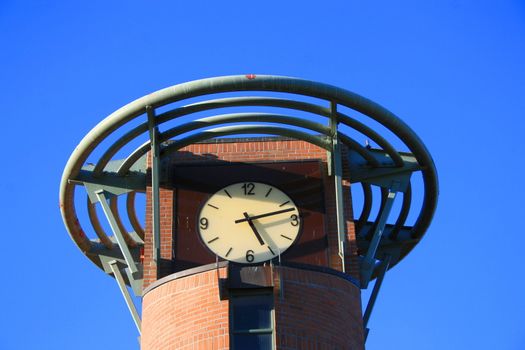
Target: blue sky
x=453, y=70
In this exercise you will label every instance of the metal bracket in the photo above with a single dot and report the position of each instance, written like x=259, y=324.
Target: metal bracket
x=383, y=267
x=127, y=297
x=155, y=181
x=337, y=171
x=110, y=191
x=116, y=231
x=136, y=283
x=382, y=176
x=368, y=263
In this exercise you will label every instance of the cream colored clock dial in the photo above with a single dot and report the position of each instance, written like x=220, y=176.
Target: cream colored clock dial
x=249, y=222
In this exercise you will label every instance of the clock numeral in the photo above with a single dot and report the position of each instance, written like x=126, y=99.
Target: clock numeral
x=295, y=220
x=249, y=256
x=203, y=223
x=248, y=189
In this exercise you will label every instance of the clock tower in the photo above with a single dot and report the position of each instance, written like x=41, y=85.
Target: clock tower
x=254, y=216
x=268, y=208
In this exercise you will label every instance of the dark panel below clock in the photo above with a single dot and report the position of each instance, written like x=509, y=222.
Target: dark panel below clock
x=194, y=184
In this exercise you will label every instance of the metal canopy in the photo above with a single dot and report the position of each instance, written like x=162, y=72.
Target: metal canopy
x=306, y=110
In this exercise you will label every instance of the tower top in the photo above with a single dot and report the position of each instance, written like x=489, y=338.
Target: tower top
x=321, y=114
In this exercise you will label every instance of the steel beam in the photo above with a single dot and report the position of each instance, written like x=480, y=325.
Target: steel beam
x=397, y=248
x=360, y=171
x=116, y=231
x=337, y=172
x=124, y=289
x=155, y=181
x=135, y=179
x=383, y=267
x=368, y=263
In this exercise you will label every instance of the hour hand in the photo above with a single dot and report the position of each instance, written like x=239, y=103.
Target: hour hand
x=254, y=229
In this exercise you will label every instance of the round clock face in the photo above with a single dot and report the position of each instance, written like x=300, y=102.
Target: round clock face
x=249, y=222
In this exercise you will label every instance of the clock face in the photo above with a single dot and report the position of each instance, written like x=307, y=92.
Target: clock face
x=249, y=222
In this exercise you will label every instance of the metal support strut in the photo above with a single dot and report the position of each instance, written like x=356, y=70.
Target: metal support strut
x=381, y=274
x=155, y=181
x=368, y=264
x=116, y=231
x=338, y=178
x=123, y=288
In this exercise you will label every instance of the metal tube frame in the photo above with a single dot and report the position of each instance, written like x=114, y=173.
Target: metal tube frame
x=155, y=181
x=116, y=231
x=383, y=267
x=241, y=83
x=338, y=184
x=125, y=293
x=132, y=214
x=368, y=263
x=104, y=239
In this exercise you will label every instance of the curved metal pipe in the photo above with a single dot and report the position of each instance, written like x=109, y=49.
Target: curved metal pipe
x=93, y=218
x=232, y=130
x=69, y=216
x=384, y=195
x=244, y=129
x=113, y=204
x=245, y=117
x=363, y=151
x=132, y=214
x=224, y=119
x=305, y=107
x=403, y=214
x=367, y=206
x=374, y=136
x=240, y=102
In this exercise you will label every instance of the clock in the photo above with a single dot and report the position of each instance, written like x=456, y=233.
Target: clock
x=249, y=222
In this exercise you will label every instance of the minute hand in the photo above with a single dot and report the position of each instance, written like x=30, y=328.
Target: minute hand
x=264, y=215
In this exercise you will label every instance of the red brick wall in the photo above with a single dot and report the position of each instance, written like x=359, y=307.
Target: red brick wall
x=265, y=149
x=151, y=273
x=317, y=311
x=186, y=313
x=313, y=310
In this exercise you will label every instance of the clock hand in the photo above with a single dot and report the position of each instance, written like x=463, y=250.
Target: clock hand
x=252, y=225
x=249, y=218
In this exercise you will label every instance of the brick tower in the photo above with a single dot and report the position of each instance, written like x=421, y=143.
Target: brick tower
x=250, y=242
